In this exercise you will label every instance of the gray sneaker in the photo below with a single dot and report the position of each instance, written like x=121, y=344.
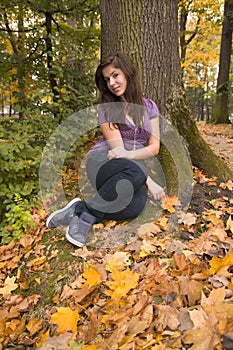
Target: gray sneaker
x=62, y=216
x=79, y=228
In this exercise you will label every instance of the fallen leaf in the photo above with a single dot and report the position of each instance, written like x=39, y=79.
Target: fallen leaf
x=228, y=185
x=92, y=277
x=216, y=304
x=220, y=266
x=34, y=325
x=229, y=225
x=116, y=261
x=187, y=219
x=57, y=342
x=169, y=202
x=203, y=335
x=66, y=319
x=122, y=282
x=9, y=286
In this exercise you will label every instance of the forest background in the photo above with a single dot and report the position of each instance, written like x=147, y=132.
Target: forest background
x=49, y=52
x=166, y=283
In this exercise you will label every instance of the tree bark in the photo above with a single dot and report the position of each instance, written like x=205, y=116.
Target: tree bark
x=20, y=73
x=49, y=49
x=221, y=112
x=148, y=32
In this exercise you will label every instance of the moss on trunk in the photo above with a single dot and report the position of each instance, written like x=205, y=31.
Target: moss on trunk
x=200, y=153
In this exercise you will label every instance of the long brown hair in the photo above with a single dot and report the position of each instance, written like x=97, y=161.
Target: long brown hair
x=133, y=93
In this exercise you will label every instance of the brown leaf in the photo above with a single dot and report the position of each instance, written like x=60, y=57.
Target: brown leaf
x=167, y=317
x=188, y=219
x=60, y=342
x=203, y=335
x=9, y=286
x=229, y=225
x=216, y=304
x=136, y=325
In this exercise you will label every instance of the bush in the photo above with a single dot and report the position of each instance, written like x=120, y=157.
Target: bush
x=21, y=145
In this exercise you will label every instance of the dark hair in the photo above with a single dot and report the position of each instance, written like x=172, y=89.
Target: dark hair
x=133, y=93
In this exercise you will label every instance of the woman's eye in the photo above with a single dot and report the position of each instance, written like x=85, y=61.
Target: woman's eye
x=115, y=75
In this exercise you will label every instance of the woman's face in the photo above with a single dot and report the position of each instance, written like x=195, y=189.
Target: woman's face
x=116, y=80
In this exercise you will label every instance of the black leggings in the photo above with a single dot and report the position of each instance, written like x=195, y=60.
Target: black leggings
x=121, y=188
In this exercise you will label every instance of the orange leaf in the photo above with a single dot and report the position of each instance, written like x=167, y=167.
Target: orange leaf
x=168, y=203
x=92, y=277
x=66, y=319
x=220, y=266
x=122, y=282
x=34, y=325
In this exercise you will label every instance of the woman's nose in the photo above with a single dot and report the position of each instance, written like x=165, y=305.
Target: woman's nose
x=111, y=81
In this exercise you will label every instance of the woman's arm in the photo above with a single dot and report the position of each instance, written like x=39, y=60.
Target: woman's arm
x=117, y=146
x=112, y=135
x=156, y=191
x=114, y=139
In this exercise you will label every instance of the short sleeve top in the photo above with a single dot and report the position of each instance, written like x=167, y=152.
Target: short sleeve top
x=134, y=137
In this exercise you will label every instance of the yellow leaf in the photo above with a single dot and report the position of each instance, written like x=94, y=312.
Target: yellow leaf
x=42, y=339
x=168, y=203
x=66, y=319
x=229, y=224
x=122, y=282
x=143, y=253
x=220, y=266
x=213, y=218
x=89, y=347
x=92, y=276
x=9, y=286
x=37, y=261
x=162, y=223
x=117, y=261
x=34, y=325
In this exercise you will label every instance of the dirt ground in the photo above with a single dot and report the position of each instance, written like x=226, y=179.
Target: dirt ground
x=220, y=139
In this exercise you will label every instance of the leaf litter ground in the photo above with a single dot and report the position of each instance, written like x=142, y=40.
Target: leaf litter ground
x=163, y=284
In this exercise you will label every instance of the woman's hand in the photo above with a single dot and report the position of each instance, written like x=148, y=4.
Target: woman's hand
x=119, y=152
x=156, y=191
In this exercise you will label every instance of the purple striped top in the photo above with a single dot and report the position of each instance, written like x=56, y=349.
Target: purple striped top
x=133, y=137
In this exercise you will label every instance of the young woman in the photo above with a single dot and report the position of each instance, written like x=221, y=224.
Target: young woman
x=130, y=134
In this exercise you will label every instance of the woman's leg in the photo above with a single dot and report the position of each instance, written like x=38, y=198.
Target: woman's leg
x=121, y=190
x=121, y=194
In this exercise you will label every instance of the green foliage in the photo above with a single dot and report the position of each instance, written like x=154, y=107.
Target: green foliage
x=47, y=74
x=57, y=78
x=21, y=145
x=18, y=219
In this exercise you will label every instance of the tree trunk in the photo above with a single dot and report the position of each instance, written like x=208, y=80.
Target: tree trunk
x=49, y=49
x=20, y=73
x=221, y=104
x=148, y=32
